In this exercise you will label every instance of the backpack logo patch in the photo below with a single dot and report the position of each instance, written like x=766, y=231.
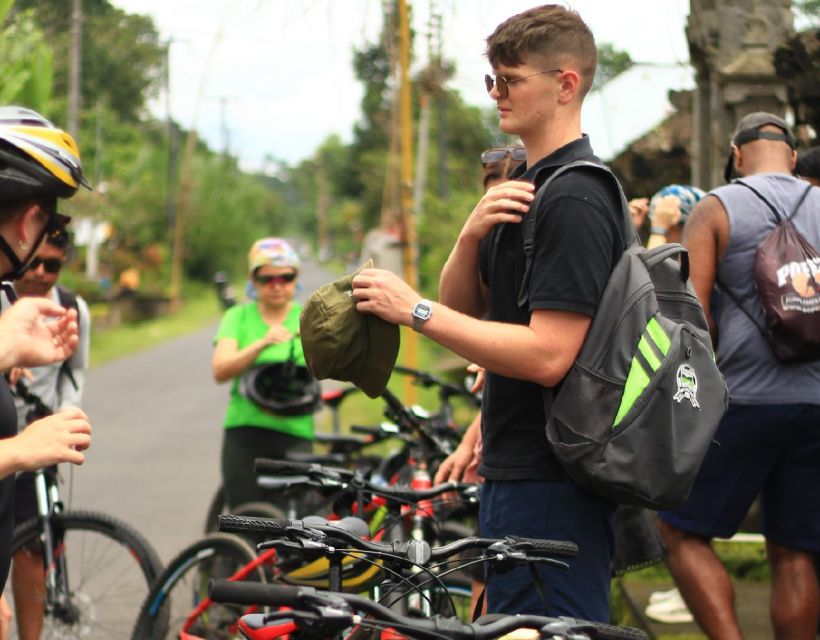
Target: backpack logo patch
x=687, y=385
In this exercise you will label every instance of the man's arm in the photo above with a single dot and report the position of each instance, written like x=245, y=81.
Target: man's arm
x=460, y=286
x=541, y=352
x=705, y=237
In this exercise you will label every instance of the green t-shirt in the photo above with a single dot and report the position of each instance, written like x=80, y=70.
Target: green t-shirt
x=244, y=324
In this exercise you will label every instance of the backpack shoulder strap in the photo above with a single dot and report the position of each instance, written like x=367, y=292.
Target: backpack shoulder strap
x=529, y=221
x=777, y=215
x=800, y=201
x=68, y=299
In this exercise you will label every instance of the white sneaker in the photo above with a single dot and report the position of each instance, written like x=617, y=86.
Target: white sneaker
x=671, y=610
x=659, y=596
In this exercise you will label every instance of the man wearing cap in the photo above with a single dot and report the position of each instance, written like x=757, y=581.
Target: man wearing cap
x=770, y=436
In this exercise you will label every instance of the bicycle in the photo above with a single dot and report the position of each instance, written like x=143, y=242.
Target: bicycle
x=318, y=615
x=97, y=568
x=177, y=602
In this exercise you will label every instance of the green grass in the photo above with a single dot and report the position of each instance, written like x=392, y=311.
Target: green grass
x=199, y=309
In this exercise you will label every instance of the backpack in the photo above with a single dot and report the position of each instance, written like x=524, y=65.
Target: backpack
x=787, y=279
x=634, y=416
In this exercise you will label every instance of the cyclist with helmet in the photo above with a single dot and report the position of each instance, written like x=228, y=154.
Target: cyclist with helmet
x=270, y=411
x=39, y=163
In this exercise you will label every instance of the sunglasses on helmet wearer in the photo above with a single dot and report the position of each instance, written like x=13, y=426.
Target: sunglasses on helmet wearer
x=501, y=83
x=497, y=154
x=50, y=265
x=284, y=278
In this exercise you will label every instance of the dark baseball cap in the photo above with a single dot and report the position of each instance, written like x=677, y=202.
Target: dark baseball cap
x=748, y=130
x=341, y=343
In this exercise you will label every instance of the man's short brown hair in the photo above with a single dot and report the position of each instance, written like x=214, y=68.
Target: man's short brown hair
x=552, y=34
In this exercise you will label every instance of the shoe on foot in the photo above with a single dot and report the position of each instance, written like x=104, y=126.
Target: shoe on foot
x=660, y=596
x=671, y=610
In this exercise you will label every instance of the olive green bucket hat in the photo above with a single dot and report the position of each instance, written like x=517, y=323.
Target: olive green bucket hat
x=341, y=343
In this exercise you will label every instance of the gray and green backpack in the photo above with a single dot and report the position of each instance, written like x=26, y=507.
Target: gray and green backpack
x=636, y=413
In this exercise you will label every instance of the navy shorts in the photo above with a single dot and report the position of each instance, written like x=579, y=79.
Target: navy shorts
x=767, y=450
x=556, y=511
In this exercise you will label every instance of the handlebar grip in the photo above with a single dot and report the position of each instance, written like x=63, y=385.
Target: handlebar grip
x=255, y=593
x=366, y=429
x=545, y=548
x=230, y=523
x=266, y=465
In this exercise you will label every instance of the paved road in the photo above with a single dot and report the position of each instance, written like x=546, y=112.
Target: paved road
x=157, y=421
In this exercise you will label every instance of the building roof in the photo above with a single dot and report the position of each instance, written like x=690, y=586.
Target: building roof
x=632, y=104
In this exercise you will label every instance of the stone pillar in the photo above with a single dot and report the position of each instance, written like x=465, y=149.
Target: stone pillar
x=731, y=45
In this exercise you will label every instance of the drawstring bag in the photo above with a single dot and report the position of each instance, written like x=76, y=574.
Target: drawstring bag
x=282, y=388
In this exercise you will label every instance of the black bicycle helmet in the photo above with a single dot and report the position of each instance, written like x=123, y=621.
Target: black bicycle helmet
x=282, y=388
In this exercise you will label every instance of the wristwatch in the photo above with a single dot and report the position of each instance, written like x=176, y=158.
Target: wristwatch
x=421, y=314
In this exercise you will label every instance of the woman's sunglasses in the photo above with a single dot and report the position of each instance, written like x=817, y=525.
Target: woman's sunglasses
x=519, y=154
x=51, y=265
x=285, y=278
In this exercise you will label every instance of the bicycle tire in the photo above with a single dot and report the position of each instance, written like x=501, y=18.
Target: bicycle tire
x=110, y=569
x=170, y=601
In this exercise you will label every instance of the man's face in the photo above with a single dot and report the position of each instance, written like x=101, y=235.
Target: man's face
x=38, y=280
x=531, y=100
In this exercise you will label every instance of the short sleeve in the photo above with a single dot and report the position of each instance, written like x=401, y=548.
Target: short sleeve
x=576, y=246
x=229, y=325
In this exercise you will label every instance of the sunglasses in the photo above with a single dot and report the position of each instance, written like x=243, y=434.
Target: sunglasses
x=51, y=265
x=502, y=84
x=519, y=154
x=285, y=278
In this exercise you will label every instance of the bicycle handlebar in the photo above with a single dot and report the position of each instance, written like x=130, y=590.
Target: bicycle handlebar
x=308, y=602
x=322, y=473
x=351, y=530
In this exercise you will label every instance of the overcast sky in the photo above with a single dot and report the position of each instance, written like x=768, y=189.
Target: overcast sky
x=279, y=73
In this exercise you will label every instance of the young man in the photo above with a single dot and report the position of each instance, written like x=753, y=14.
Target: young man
x=59, y=386
x=770, y=436
x=544, y=60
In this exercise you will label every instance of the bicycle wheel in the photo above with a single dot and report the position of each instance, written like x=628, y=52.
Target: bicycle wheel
x=110, y=567
x=183, y=586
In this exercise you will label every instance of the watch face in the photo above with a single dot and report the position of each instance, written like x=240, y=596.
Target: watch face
x=422, y=311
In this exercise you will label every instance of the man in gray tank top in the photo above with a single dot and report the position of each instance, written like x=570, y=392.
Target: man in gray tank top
x=770, y=437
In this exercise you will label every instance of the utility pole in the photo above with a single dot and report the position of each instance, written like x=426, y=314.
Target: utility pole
x=172, y=146
x=74, y=66
x=407, y=222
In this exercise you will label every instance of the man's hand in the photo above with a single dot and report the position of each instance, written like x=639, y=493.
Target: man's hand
x=29, y=339
x=6, y=615
x=506, y=202
x=638, y=207
x=384, y=294
x=454, y=465
x=666, y=212
x=61, y=437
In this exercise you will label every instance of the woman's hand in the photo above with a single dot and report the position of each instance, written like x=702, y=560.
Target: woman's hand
x=506, y=202
x=61, y=437
x=28, y=340
x=276, y=334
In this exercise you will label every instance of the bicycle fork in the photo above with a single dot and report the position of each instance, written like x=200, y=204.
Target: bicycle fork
x=58, y=601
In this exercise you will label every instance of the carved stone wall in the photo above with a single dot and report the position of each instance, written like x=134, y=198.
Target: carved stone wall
x=731, y=46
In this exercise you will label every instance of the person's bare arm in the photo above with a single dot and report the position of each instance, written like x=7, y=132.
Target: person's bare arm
x=229, y=360
x=541, y=352
x=705, y=237
x=460, y=286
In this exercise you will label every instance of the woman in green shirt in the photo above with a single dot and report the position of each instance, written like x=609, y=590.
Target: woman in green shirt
x=262, y=331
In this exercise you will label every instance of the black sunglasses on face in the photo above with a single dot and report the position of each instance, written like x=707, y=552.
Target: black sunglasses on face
x=51, y=265
x=501, y=83
x=519, y=154
x=285, y=278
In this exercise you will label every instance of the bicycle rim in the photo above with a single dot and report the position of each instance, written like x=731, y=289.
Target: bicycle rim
x=110, y=567
x=183, y=586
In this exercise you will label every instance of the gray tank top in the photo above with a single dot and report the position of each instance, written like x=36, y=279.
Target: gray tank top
x=744, y=357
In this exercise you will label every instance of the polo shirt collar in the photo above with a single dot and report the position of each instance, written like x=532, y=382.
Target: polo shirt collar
x=578, y=149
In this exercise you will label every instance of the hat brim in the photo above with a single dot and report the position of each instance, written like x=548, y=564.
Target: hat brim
x=383, y=341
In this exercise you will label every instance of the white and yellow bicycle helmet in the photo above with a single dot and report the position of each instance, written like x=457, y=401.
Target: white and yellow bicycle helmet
x=37, y=159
